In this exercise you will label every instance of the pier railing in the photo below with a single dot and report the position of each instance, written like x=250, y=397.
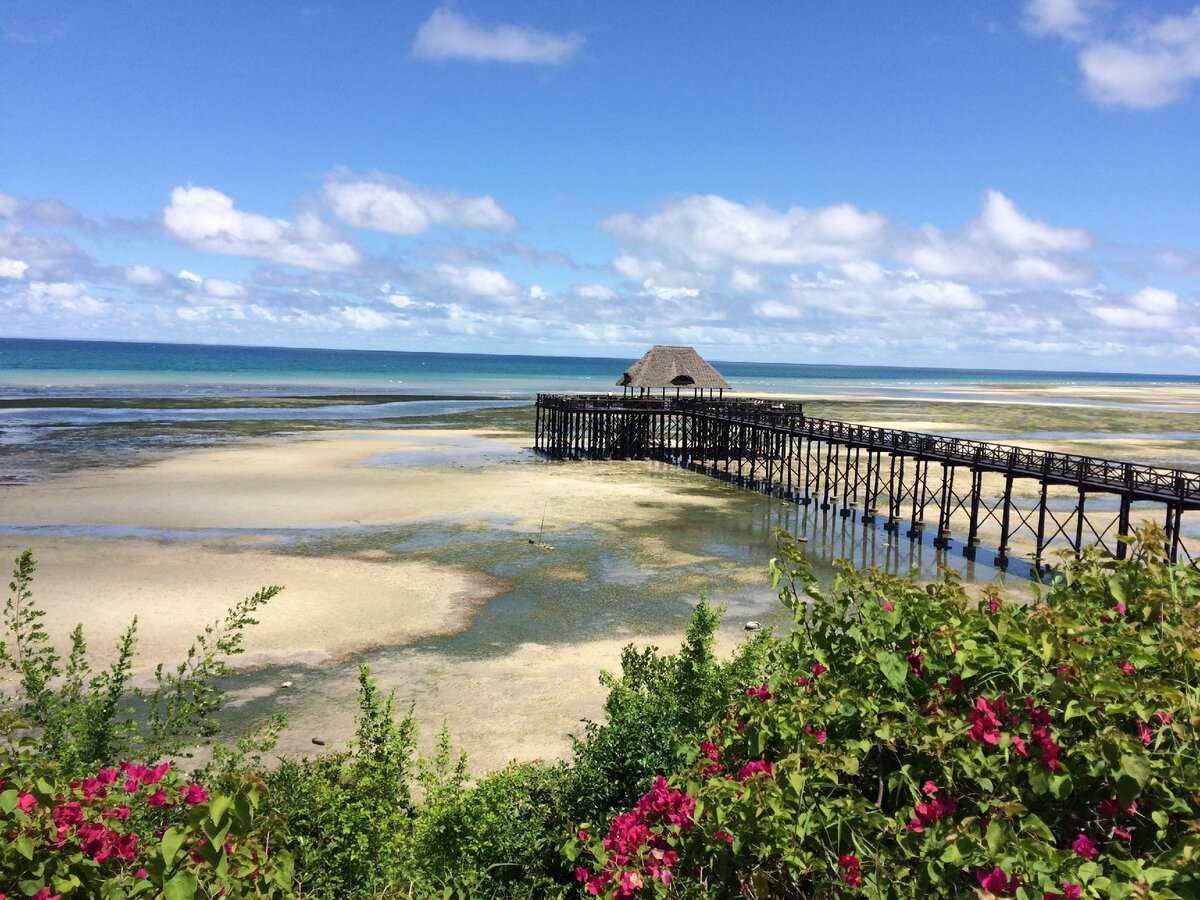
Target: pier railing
x=771, y=445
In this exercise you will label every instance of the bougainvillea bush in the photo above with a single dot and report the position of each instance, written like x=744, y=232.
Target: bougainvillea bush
x=132, y=831
x=915, y=742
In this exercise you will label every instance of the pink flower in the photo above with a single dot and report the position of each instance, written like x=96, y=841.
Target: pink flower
x=709, y=749
x=44, y=894
x=818, y=669
x=581, y=874
x=194, y=794
x=1071, y=891
x=1143, y=732
x=1164, y=717
x=140, y=873
x=851, y=869
x=821, y=737
x=1126, y=666
x=887, y=606
x=755, y=767
x=583, y=836
x=158, y=798
x=985, y=720
x=26, y=801
x=929, y=788
x=802, y=681
x=996, y=882
x=1120, y=608
x=763, y=694
x=1083, y=846
x=1018, y=743
x=994, y=606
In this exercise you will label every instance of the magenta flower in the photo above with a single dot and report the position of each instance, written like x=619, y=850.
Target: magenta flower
x=1143, y=732
x=1083, y=846
x=1164, y=717
x=819, y=669
x=194, y=794
x=996, y=882
x=26, y=801
x=887, y=606
x=986, y=719
x=1126, y=666
x=1120, y=608
x=755, y=767
x=851, y=867
x=158, y=798
x=762, y=694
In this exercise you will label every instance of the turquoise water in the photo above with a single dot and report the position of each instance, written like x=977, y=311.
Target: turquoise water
x=48, y=368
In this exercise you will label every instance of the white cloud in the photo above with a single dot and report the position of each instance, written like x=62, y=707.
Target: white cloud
x=145, y=276
x=400, y=301
x=206, y=219
x=1150, y=64
x=477, y=280
x=664, y=292
x=1155, y=301
x=709, y=231
x=536, y=292
x=364, y=318
x=747, y=282
x=57, y=298
x=446, y=35
x=8, y=204
x=774, y=309
x=12, y=268
x=379, y=206
x=1002, y=224
x=594, y=292
x=1069, y=19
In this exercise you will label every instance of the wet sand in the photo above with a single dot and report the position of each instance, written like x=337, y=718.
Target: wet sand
x=177, y=541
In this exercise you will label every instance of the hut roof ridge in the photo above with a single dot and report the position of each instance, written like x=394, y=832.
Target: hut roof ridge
x=666, y=366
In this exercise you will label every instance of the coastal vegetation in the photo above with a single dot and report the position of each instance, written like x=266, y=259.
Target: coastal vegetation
x=901, y=740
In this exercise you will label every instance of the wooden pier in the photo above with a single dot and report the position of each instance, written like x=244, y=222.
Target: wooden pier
x=1021, y=504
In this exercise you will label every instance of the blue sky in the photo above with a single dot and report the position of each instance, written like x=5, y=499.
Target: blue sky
x=939, y=183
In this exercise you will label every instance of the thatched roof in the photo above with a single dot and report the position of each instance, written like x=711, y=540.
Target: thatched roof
x=677, y=367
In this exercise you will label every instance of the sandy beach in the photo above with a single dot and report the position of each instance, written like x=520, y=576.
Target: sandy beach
x=176, y=540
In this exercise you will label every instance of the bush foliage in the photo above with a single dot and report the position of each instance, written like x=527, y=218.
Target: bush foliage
x=915, y=742
x=902, y=740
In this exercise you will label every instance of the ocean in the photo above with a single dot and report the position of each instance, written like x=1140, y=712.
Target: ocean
x=107, y=369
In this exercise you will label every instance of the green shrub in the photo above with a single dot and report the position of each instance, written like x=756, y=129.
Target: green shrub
x=917, y=743
x=659, y=703
x=83, y=721
x=347, y=816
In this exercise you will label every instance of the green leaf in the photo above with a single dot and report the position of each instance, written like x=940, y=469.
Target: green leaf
x=182, y=886
x=996, y=836
x=893, y=667
x=170, y=844
x=1060, y=785
x=1137, y=768
x=24, y=845
x=217, y=807
x=8, y=800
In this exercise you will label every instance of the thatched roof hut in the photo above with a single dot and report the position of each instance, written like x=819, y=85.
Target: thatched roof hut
x=665, y=367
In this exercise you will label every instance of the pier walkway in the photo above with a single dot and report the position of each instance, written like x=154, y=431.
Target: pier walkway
x=1021, y=503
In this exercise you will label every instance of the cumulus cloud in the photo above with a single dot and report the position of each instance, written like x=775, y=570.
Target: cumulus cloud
x=594, y=292
x=207, y=220
x=12, y=268
x=687, y=240
x=364, y=318
x=477, y=281
x=447, y=35
x=1002, y=223
x=400, y=209
x=1147, y=64
x=709, y=231
x=145, y=276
